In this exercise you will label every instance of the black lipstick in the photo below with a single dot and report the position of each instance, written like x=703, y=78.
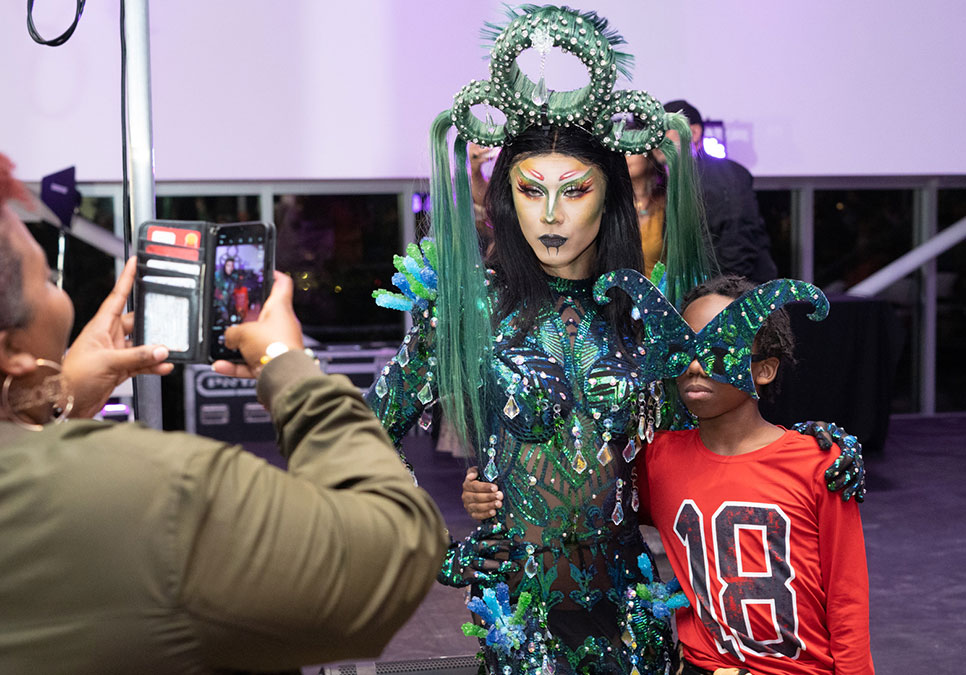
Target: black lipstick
x=552, y=241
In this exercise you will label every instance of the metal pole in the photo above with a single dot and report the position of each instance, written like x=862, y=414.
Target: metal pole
x=926, y=220
x=803, y=232
x=139, y=151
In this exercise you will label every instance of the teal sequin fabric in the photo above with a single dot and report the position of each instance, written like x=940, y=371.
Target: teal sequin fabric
x=564, y=404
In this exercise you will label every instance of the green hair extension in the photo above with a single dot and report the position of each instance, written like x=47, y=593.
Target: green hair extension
x=685, y=233
x=464, y=333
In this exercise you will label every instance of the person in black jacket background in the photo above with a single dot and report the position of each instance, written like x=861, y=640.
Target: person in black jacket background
x=738, y=235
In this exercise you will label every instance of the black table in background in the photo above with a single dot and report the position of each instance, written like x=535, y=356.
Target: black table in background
x=845, y=371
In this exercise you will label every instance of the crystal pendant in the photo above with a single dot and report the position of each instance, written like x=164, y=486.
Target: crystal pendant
x=579, y=463
x=511, y=409
x=488, y=121
x=657, y=415
x=649, y=432
x=635, y=500
x=635, y=671
x=426, y=419
x=604, y=456
x=540, y=93
x=425, y=394
x=491, y=472
x=641, y=426
x=381, y=387
x=619, y=128
x=618, y=515
x=630, y=451
x=402, y=358
x=531, y=567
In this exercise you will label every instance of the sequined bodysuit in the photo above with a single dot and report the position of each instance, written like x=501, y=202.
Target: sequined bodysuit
x=562, y=412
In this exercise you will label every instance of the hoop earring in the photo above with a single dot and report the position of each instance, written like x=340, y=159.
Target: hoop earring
x=50, y=391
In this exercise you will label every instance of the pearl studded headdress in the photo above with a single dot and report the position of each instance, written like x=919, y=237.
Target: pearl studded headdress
x=596, y=107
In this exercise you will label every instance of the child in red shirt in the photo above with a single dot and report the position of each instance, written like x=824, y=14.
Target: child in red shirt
x=772, y=562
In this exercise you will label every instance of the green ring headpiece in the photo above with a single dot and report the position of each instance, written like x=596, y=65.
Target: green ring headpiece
x=525, y=103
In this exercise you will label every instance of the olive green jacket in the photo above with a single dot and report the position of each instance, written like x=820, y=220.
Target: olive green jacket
x=128, y=550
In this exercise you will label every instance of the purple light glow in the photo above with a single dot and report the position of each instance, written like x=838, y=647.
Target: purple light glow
x=417, y=202
x=714, y=148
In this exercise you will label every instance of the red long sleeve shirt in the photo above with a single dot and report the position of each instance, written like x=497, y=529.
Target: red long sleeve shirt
x=772, y=562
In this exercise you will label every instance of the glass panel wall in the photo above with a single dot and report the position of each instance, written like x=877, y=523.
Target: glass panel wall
x=951, y=309
x=338, y=249
x=857, y=233
x=775, y=207
x=213, y=209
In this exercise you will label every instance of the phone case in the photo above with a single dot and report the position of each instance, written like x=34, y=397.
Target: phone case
x=176, y=286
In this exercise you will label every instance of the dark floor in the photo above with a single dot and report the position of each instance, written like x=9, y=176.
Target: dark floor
x=915, y=533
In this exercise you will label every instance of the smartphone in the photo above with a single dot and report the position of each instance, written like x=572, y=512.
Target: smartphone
x=242, y=268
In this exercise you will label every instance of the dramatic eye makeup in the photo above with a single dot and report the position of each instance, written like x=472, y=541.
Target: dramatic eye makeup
x=530, y=186
x=575, y=184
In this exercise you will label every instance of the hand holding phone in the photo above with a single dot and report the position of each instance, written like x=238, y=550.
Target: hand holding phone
x=276, y=323
x=195, y=279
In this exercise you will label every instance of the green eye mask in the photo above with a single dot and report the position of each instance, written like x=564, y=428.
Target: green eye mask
x=723, y=347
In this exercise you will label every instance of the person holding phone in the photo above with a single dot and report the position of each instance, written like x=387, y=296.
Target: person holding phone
x=128, y=549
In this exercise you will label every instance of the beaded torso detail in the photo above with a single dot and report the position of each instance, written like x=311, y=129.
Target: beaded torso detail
x=564, y=405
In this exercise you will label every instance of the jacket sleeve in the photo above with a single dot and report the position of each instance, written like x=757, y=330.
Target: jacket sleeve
x=321, y=563
x=846, y=581
x=737, y=230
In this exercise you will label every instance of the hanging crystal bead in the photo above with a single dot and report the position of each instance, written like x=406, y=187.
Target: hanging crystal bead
x=642, y=426
x=426, y=419
x=402, y=358
x=619, y=128
x=540, y=93
x=649, y=431
x=491, y=472
x=604, y=455
x=635, y=671
x=579, y=463
x=425, y=394
x=618, y=516
x=531, y=567
x=488, y=120
x=511, y=409
x=630, y=451
x=381, y=387
x=635, y=499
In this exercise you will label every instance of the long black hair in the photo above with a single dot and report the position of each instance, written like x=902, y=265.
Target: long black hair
x=521, y=282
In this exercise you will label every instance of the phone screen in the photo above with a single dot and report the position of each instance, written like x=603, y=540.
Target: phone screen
x=239, y=281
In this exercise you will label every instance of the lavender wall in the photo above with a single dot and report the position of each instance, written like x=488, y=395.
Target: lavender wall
x=248, y=89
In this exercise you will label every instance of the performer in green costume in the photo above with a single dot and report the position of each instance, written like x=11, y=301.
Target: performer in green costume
x=536, y=376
